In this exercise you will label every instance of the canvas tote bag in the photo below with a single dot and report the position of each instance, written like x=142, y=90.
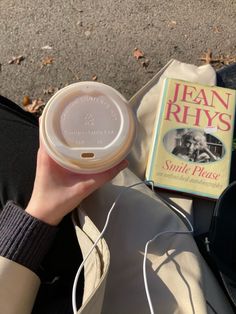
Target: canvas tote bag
x=178, y=278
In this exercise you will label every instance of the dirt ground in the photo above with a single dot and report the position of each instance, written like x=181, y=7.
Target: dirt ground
x=59, y=42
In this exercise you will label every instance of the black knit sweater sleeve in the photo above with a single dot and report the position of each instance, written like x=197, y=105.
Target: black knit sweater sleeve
x=23, y=238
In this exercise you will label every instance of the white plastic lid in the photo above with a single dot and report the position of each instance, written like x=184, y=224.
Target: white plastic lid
x=87, y=127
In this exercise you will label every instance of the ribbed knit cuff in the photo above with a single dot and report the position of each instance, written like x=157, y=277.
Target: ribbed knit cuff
x=24, y=238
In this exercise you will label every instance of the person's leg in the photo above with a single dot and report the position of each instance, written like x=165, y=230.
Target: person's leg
x=18, y=150
x=19, y=141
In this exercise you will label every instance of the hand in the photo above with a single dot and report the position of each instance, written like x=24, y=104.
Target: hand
x=203, y=157
x=58, y=191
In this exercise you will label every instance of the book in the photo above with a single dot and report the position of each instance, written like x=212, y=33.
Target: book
x=192, y=139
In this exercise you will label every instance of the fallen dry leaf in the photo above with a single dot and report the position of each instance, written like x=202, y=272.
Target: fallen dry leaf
x=217, y=61
x=138, y=54
x=47, y=60
x=26, y=101
x=207, y=56
x=16, y=60
x=226, y=59
x=36, y=107
x=216, y=29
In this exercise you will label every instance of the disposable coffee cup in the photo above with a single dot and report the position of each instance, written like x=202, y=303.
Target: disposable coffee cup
x=87, y=127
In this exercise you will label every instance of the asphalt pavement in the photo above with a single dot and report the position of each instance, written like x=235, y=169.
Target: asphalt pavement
x=59, y=42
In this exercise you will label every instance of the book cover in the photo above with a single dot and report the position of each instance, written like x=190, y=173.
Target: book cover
x=192, y=139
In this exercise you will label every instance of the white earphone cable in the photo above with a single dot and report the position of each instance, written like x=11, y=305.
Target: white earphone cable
x=74, y=303
x=154, y=238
